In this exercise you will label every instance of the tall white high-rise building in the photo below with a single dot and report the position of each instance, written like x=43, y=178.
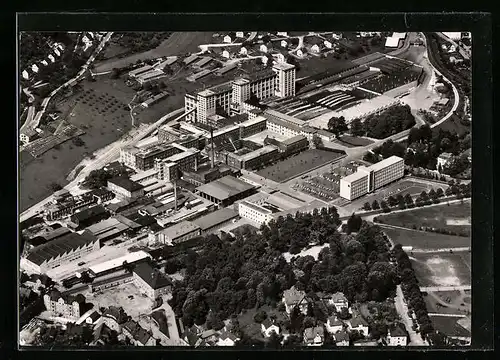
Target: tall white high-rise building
x=285, y=79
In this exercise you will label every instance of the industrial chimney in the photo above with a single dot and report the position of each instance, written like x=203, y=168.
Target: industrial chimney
x=212, y=141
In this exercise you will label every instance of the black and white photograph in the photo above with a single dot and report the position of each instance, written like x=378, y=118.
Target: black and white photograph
x=246, y=189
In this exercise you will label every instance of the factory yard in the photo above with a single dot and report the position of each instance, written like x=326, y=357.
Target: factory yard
x=298, y=164
x=119, y=296
x=444, y=269
x=454, y=217
x=425, y=240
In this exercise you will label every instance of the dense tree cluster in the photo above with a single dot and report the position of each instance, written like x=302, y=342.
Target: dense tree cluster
x=337, y=125
x=140, y=41
x=99, y=178
x=224, y=278
x=395, y=119
x=411, y=290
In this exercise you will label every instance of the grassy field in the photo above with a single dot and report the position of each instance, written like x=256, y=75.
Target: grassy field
x=352, y=141
x=453, y=125
x=298, y=164
x=442, y=269
x=178, y=43
x=449, y=326
x=425, y=240
x=450, y=217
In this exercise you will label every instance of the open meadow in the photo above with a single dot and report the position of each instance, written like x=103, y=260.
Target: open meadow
x=425, y=240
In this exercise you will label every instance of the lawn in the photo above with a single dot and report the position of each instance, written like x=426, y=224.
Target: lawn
x=442, y=269
x=452, y=217
x=179, y=43
x=250, y=328
x=449, y=326
x=425, y=240
x=298, y=164
x=353, y=141
x=118, y=296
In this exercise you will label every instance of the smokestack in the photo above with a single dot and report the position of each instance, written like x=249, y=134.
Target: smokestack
x=212, y=141
x=175, y=194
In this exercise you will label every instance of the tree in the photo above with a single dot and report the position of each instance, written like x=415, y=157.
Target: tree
x=260, y=316
x=392, y=201
x=55, y=187
x=375, y=205
x=357, y=128
x=367, y=206
x=354, y=223
x=337, y=125
x=344, y=314
x=259, y=61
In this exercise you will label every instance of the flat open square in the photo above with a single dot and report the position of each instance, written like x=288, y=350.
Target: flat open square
x=298, y=164
x=119, y=296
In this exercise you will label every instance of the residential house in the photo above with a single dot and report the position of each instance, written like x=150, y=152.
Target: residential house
x=397, y=336
x=37, y=282
x=137, y=335
x=25, y=75
x=336, y=36
x=341, y=338
x=227, y=339
x=328, y=44
x=339, y=301
x=444, y=159
x=51, y=58
x=300, y=53
x=44, y=62
x=208, y=338
x=225, y=54
x=240, y=34
x=284, y=44
x=292, y=298
x=282, y=33
x=70, y=307
x=359, y=324
x=115, y=318
x=264, y=48
x=93, y=318
x=279, y=57
x=268, y=326
x=316, y=48
x=34, y=68
x=244, y=51
x=334, y=325
x=227, y=39
x=314, y=336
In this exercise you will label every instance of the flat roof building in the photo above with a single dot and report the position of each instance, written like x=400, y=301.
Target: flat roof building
x=177, y=233
x=124, y=188
x=215, y=220
x=117, y=263
x=225, y=191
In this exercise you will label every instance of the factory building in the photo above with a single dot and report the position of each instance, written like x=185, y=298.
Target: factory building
x=254, y=212
x=368, y=179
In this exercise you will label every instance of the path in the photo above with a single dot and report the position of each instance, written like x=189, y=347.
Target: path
x=445, y=250
x=402, y=309
x=445, y=288
x=448, y=315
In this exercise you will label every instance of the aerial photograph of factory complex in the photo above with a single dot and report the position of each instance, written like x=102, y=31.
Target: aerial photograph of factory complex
x=244, y=189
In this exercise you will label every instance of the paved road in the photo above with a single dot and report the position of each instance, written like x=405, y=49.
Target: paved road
x=402, y=309
x=445, y=288
x=444, y=250
x=448, y=315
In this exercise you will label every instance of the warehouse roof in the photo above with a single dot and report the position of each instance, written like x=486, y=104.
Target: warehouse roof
x=56, y=233
x=88, y=213
x=125, y=183
x=60, y=246
x=225, y=187
x=392, y=42
x=293, y=139
x=179, y=229
x=215, y=218
x=114, y=263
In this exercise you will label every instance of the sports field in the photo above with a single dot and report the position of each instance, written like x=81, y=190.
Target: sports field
x=442, y=269
x=425, y=240
x=454, y=217
x=447, y=302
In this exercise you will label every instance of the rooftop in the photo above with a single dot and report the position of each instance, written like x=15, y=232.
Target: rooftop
x=56, y=233
x=283, y=66
x=293, y=139
x=215, y=218
x=114, y=263
x=125, y=183
x=293, y=296
x=384, y=163
x=256, y=207
x=154, y=278
x=311, y=333
x=179, y=229
x=341, y=336
x=60, y=246
x=88, y=213
x=282, y=116
x=225, y=187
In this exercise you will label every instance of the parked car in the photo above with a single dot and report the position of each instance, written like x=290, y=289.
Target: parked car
x=81, y=263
